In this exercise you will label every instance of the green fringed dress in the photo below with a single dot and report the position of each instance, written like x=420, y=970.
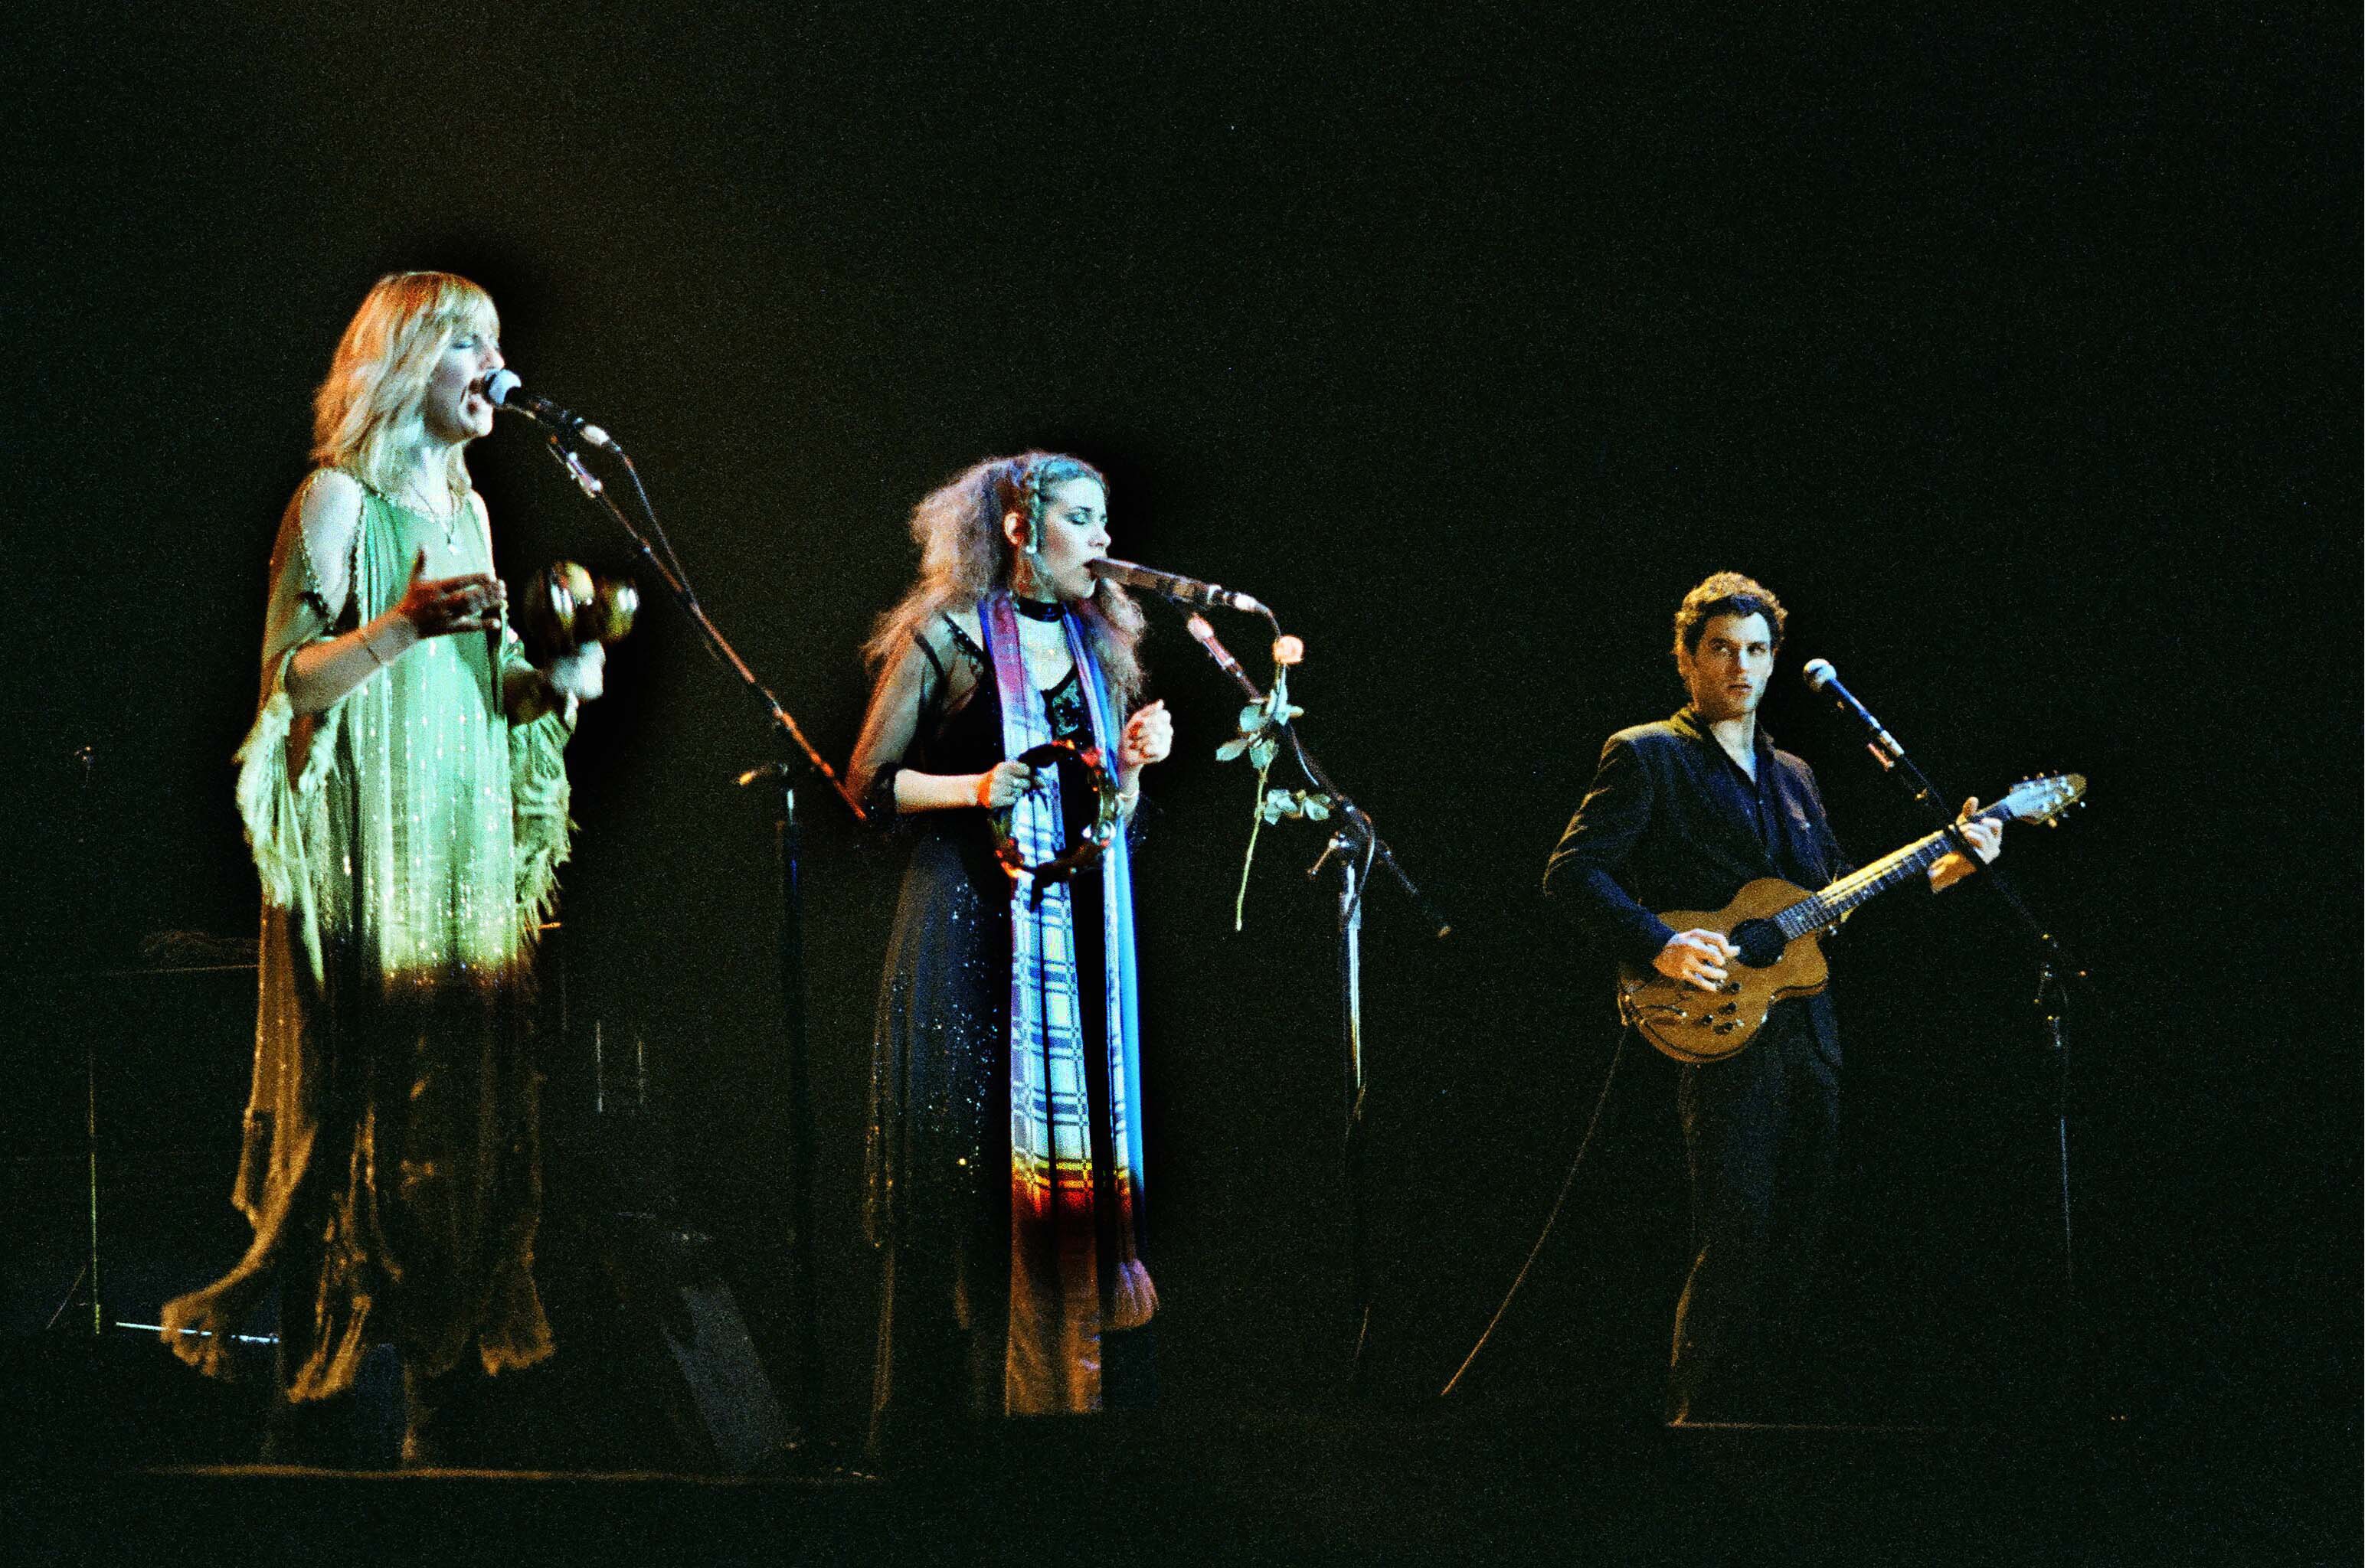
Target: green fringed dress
x=409, y=839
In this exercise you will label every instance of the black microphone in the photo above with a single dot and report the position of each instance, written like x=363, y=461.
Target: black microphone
x=1190, y=591
x=1822, y=676
x=504, y=391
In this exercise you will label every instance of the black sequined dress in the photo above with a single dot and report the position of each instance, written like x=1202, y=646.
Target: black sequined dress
x=939, y=1154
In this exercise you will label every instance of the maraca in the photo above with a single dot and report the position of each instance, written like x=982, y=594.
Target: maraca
x=565, y=607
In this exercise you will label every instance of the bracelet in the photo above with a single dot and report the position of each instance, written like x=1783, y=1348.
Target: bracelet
x=371, y=649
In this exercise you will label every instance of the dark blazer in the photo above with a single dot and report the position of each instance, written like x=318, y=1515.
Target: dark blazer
x=1670, y=824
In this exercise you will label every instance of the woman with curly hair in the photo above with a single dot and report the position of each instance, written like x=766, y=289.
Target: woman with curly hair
x=1004, y=1162
x=405, y=793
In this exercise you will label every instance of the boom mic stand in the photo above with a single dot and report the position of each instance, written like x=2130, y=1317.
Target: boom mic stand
x=84, y=758
x=1358, y=849
x=2056, y=967
x=659, y=557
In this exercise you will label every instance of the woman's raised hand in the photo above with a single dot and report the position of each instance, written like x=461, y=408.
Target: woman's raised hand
x=441, y=607
x=1148, y=737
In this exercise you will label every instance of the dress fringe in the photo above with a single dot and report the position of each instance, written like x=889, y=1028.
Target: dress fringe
x=270, y=805
x=539, y=795
x=1133, y=1300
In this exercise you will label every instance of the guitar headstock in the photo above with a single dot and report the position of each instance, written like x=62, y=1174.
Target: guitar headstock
x=2040, y=799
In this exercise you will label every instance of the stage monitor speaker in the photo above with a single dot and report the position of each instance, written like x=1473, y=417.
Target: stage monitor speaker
x=738, y=1418
x=656, y=1368
x=654, y=1358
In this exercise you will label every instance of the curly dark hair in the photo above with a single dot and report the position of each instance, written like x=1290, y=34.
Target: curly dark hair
x=1725, y=593
x=964, y=557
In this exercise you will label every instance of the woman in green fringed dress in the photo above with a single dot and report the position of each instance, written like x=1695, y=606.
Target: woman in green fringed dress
x=405, y=793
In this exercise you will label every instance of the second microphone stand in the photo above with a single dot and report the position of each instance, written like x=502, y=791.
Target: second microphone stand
x=1358, y=850
x=2056, y=967
x=658, y=557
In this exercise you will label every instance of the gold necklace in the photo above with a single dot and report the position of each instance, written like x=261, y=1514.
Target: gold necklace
x=449, y=517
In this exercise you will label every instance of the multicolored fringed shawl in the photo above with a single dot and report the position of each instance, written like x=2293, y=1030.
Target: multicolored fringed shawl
x=1057, y=1309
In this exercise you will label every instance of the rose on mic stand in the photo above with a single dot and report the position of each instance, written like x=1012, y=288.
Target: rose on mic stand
x=1358, y=850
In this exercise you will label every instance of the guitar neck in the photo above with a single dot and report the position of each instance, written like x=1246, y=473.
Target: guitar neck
x=1890, y=870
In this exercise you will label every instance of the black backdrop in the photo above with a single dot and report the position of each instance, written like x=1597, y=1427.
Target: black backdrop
x=2019, y=355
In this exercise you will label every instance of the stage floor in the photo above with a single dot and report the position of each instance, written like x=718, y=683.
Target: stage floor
x=1442, y=1485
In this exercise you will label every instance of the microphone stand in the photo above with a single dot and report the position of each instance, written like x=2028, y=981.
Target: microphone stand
x=84, y=758
x=668, y=570
x=796, y=1451
x=2056, y=967
x=1357, y=848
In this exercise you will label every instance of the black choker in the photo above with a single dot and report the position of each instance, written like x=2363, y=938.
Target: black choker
x=1037, y=610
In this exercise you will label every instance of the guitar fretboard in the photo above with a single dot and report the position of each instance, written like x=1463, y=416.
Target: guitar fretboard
x=1825, y=907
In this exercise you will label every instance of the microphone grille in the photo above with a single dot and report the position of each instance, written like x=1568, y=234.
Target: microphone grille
x=499, y=385
x=1819, y=673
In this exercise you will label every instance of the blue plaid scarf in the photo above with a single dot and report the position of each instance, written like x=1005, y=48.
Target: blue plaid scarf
x=1056, y=1312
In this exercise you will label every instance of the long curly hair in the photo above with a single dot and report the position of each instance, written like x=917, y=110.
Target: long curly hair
x=380, y=376
x=964, y=557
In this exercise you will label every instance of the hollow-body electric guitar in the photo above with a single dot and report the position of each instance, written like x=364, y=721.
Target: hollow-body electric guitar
x=1777, y=926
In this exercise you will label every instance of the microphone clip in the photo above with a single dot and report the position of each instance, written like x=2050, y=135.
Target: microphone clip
x=572, y=461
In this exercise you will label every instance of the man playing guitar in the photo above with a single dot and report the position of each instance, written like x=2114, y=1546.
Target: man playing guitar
x=1681, y=815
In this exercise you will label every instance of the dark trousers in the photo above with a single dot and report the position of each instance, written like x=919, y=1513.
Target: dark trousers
x=1761, y=1135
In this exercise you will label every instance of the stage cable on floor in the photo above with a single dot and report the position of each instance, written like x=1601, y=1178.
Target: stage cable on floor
x=1609, y=1081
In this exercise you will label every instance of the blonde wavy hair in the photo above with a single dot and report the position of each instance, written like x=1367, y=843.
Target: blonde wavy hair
x=379, y=377
x=964, y=557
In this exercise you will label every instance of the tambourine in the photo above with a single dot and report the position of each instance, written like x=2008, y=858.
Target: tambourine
x=1098, y=833
x=565, y=607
